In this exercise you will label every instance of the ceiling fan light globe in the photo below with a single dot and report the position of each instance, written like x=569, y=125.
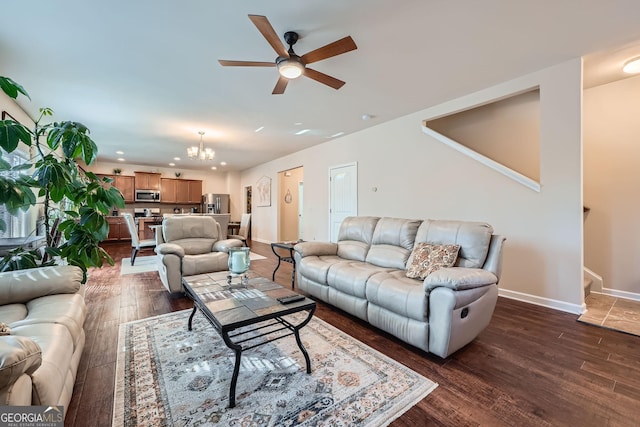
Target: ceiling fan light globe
x=632, y=66
x=291, y=67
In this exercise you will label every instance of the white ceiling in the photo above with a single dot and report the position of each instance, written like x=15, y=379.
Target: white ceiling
x=143, y=74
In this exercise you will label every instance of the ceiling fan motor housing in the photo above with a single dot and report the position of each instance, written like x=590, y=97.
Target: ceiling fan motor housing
x=291, y=37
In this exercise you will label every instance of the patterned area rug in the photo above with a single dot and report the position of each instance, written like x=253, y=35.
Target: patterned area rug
x=167, y=375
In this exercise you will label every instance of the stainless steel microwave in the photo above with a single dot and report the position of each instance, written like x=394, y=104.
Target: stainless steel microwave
x=147, y=196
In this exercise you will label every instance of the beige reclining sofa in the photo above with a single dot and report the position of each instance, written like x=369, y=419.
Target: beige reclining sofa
x=365, y=274
x=44, y=309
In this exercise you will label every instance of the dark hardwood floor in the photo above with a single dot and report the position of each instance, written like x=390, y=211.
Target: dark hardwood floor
x=531, y=367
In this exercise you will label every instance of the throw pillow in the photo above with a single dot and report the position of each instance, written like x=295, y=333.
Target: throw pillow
x=427, y=258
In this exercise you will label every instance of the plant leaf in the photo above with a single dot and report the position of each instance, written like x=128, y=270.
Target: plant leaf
x=12, y=88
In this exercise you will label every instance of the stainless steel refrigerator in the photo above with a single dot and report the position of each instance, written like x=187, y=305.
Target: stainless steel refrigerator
x=215, y=203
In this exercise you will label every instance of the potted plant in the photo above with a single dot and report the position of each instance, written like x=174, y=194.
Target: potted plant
x=117, y=171
x=74, y=202
x=178, y=174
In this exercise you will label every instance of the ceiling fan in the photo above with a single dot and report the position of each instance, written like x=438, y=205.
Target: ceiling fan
x=290, y=65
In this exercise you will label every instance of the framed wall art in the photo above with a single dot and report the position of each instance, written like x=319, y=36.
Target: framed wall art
x=263, y=191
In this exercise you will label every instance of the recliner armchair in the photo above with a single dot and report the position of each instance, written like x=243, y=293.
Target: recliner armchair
x=189, y=245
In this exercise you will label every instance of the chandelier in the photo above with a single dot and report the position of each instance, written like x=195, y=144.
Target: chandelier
x=199, y=152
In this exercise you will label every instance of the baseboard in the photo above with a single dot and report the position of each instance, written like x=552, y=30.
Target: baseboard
x=255, y=239
x=621, y=294
x=596, y=280
x=544, y=302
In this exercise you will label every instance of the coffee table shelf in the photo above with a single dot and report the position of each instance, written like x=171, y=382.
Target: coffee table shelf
x=253, y=308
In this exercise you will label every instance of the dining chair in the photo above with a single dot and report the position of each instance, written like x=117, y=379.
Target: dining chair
x=136, y=243
x=243, y=232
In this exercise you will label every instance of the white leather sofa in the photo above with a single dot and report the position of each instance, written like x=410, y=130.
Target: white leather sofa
x=189, y=245
x=364, y=274
x=45, y=311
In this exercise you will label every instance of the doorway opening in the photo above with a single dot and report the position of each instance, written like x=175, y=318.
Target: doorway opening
x=290, y=214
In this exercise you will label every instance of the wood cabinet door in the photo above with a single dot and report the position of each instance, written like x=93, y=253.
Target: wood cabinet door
x=195, y=191
x=154, y=181
x=167, y=190
x=182, y=191
x=114, y=228
x=126, y=186
x=147, y=181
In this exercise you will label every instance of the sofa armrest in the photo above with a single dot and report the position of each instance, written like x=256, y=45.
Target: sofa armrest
x=18, y=355
x=459, y=278
x=170, y=248
x=316, y=248
x=22, y=286
x=224, y=245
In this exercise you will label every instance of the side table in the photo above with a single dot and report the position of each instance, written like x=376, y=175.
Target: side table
x=284, y=246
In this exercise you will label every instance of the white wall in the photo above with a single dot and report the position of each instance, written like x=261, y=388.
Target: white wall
x=612, y=183
x=418, y=177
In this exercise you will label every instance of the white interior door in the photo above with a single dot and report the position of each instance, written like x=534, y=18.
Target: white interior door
x=343, y=196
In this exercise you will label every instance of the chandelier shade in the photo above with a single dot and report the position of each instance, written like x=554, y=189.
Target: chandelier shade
x=198, y=152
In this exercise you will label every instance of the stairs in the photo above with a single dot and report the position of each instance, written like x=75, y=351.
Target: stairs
x=586, y=285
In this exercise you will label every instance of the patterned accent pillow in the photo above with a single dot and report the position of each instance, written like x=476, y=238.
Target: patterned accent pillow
x=427, y=258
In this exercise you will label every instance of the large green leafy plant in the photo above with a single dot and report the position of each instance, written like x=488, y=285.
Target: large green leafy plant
x=75, y=202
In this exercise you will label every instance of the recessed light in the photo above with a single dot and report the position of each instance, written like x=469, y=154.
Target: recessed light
x=298, y=124
x=303, y=131
x=632, y=66
x=213, y=168
x=259, y=129
x=120, y=152
x=172, y=164
x=223, y=163
x=120, y=159
x=176, y=159
x=366, y=116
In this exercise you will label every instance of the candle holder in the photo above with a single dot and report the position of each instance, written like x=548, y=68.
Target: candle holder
x=239, y=262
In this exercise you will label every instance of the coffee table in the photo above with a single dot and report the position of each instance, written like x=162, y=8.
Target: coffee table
x=246, y=317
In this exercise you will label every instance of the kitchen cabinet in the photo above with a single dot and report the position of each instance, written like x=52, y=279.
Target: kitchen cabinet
x=117, y=229
x=147, y=181
x=168, y=190
x=125, y=184
x=195, y=191
x=181, y=191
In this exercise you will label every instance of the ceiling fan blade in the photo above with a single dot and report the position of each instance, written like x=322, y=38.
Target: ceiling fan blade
x=226, y=63
x=323, y=78
x=338, y=47
x=264, y=26
x=281, y=85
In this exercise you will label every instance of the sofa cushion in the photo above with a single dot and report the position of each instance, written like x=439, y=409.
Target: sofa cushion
x=392, y=242
x=18, y=355
x=185, y=227
x=427, y=258
x=204, y=263
x=57, y=350
x=397, y=293
x=354, y=238
x=24, y=285
x=473, y=238
x=316, y=268
x=65, y=309
x=195, y=246
x=13, y=312
x=351, y=277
